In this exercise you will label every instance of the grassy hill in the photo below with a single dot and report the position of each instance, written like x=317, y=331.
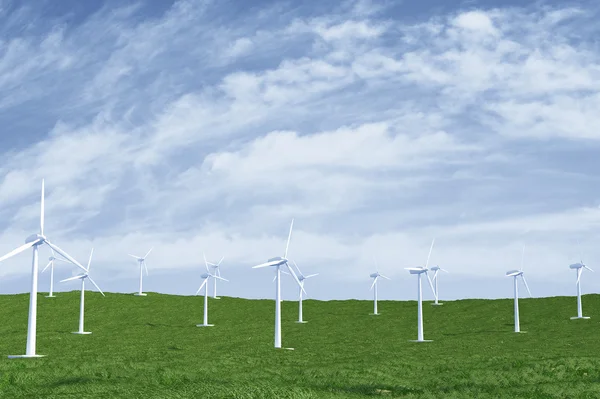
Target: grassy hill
x=150, y=347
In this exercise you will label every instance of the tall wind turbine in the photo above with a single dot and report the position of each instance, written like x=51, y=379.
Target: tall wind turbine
x=375, y=276
x=301, y=278
x=206, y=276
x=516, y=274
x=82, y=277
x=217, y=272
x=436, y=270
x=35, y=240
x=142, y=263
x=579, y=267
x=51, y=265
x=419, y=271
x=277, y=262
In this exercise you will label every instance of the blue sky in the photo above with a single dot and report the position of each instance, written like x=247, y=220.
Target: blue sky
x=205, y=126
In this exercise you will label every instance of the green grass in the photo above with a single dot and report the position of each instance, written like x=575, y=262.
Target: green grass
x=150, y=347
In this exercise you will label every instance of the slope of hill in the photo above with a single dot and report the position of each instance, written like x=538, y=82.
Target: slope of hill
x=150, y=347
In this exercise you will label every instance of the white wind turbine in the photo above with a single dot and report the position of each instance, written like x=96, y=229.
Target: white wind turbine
x=375, y=276
x=301, y=278
x=515, y=274
x=35, y=240
x=51, y=265
x=419, y=271
x=205, y=277
x=82, y=277
x=277, y=262
x=436, y=270
x=579, y=267
x=142, y=262
x=217, y=272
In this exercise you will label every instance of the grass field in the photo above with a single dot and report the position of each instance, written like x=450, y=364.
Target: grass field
x=150, y=347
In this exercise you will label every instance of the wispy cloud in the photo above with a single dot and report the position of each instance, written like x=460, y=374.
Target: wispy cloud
x=201, y=129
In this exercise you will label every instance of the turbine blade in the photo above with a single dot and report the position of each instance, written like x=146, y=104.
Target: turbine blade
x=274, y=278
x=205, y=262
x=19, y=250
x=272, y=263
x=578, y=275
x=588, y=268
x=295, y=277
x=219, y=264
x=133, y=256
x=444, y=270
x=288, y=240
x=429, y=256
x=96, y=285
x=297, y=268
x=526, y=286
x=316, y=274
x=201, y=285
x=48, y=265
x=64, y=254
x=90, y=260
x=220, y=278
x=431, y=285
x=42, y=206
x=381, y=275
x=373, y=285
x=148, y=253
x=145, y=267
x=72, y=278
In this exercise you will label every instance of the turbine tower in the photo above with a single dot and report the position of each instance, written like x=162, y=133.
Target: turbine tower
x=205, y=277
x=375, y=276
x=82, y=277
x=35, y=240
x=217, y=272
x=515, y=274
x=142, y=263
x=419, y=271
x=436, y=270
x=301, y=278
x=51, y=265
x=277, y=262
x=579, y=267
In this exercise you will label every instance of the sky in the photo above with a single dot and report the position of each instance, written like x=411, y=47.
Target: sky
x=206, y=126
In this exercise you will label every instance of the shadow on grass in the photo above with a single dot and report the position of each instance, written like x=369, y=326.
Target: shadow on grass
x=71, y=381
x=374, y=390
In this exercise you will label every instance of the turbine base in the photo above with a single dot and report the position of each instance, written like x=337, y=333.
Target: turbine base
x=138, y=294
x=81, y=332
x=215, y=297
x=24, y=356
x=301, y=322
x=374, y=314
x=204, y=325
x=50, y=296
x=437, y=304
x=421, y=340
x=582, y=317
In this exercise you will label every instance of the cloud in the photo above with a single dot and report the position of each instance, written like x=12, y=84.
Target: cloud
x=198, y=130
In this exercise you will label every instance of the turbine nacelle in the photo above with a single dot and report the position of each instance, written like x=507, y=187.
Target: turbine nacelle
x=576, y=265
x=512, y=273
x=35, y=237
x=416, y=270
x=281, y=260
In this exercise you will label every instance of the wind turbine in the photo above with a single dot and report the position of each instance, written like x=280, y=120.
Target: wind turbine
x=206, y=276
x=515, y=274
x=277, y=262
x=82, y=277
x=419, y=271
x=375, y=276
x=301, y=278
x=35, y=240
x=217, y=272
x=51, y=265
x=579, y=267
x=142, y=262
x=436, y=270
